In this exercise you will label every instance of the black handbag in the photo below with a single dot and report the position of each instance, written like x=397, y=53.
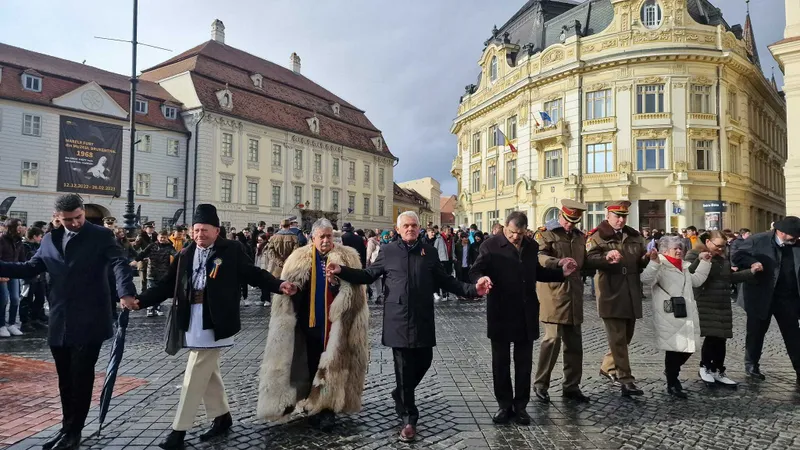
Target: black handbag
x=677, y=305
x=174, y=337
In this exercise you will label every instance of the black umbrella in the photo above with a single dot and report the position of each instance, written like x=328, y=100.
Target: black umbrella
x=117, y=348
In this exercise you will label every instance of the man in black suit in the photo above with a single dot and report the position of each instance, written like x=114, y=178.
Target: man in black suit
x=352, y=240
x=775, y=291
x=77, y=257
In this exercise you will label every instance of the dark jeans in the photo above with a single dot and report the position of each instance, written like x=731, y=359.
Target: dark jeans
x=501, y=373
x=243, y=287
x=786, y=315
x=463, y=275
x=410, y=366
x=9, y=293
x=672, y=364
x=712, y=355
x=75, y=368
x=31, y=307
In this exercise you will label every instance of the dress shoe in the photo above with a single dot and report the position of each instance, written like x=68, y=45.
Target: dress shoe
x=220, y=426
x=522, y=417
x=610, y=377
x=54, y=440
x=576, y=396
x=755, y=373
x=630, y=389
x=174, y=441
x=675, y=389
x=502, y=416
x=324, y=421
x=70, y=441
x=408, y=433
x=542, y=395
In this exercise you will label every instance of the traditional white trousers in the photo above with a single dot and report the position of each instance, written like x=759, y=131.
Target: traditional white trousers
x=201, y=383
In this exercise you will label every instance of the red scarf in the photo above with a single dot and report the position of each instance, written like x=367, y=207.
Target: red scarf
x=675, y=262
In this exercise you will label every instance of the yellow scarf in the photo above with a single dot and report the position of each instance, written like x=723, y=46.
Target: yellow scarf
x=312, y=310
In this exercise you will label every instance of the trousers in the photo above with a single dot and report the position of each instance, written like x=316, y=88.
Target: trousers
x=619, y=333
x=75, y=368
x=410, y=367
x=202, y=382
x=786, y=314
x=501, y=373
x=712, y=354
x=554, y=335
x=31, y=306
x=673, y=362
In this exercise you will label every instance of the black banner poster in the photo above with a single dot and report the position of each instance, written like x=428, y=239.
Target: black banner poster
x=89, y=157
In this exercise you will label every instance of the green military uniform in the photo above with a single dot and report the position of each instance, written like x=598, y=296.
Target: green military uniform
x=561, y=304
x=618, y=288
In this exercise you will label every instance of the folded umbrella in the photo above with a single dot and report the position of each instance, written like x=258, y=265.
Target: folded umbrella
x=117, y=348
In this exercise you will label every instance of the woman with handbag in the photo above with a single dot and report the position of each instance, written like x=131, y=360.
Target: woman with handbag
x=675, y=313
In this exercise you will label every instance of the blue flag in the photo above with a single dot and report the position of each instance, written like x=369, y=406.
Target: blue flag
x=545, y=117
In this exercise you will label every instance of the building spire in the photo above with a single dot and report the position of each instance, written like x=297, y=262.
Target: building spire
x=772, y=79
x=750, y=39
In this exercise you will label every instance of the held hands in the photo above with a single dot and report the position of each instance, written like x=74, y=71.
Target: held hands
x=705, y=256
x=129, y=302
x=756, y=267
x=653, y=255
x=288, y=288
x=484, y=285
x=4, y=279
x=568, y=266
x=333, y=269
x=614, y=257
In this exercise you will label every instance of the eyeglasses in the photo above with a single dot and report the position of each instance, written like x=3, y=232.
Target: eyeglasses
x=719, y=245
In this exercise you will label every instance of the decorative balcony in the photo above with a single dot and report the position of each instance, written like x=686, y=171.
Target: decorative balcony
x=601, y=124
x=455, y=168
x=653, y=119
x=701, y=119
x=557, y=134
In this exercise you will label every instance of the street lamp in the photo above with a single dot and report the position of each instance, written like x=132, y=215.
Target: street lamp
x=130, y=215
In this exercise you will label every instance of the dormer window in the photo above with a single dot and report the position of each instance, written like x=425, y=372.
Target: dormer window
x=258, y=80
x=313, y=124
x=651, y=14
x=141, y=106
x=31, y=82
x=170, y=112
x=336, y=108
x=378, y=142
x=493, y=69
x=225, y=98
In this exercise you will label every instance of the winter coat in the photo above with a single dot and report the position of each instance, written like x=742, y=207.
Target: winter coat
x=30, y=249
x=301, y=238
x=11, y=249
x=177, y=243
x=617, y=286
x=472, y=255
x=413, y=275
x=714, y=296
x=512, y=307
x=160, y=257
x=675, y=334
x=355, y=241
x=373, y=246
x=339, y=380
x=561, y=302
x=279, y=247
x=441, y=248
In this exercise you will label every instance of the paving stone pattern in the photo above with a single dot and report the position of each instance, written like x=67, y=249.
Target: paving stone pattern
x=455, y=398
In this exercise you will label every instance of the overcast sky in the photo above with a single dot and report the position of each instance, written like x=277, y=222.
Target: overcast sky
x=404, y=62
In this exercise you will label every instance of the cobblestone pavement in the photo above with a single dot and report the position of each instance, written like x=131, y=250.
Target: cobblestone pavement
x=455, y=398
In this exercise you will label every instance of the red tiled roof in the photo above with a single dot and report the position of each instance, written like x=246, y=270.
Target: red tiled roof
x=447, y=204
x=410, y=196
x=61, y=77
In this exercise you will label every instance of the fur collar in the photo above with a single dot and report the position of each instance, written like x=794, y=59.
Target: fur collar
x=606, y=232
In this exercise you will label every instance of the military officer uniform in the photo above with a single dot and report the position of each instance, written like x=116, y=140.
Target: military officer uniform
x=561, y=304
x=618, y=290
x=110, y=222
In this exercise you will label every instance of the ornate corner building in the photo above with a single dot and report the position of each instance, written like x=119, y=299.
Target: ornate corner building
x=660, y=102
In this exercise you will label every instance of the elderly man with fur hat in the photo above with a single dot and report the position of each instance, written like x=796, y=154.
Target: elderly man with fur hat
x=204, y=279
x=317, y=348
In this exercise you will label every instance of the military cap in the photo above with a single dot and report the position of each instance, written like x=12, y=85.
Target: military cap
x=619, y=207
x=109, y=219
x=572, y=210
x=149, y=224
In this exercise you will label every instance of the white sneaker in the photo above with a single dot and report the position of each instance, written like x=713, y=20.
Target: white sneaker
x=436, y=297
x=267, y=303
x=14, y=330
x=720, y=377
x=4, y=332
x=706, y=375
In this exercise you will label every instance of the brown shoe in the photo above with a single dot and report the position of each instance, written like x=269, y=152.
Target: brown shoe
x=408, y=433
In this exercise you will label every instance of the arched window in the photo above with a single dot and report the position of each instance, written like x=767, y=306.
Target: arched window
x=551, y=214
x=493, y=69
x=651, y=14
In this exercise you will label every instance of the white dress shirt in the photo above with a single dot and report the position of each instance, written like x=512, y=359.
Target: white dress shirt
x=196, y=337
x=67, y=236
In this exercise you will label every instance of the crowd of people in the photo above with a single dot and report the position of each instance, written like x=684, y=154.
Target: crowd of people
x=319, y=283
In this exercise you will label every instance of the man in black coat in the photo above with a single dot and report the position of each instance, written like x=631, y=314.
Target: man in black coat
x=511, y=261
x=413, y=274
x=736, y=244
x=77, y=257
x=775, y=292
x=352, y=240
x=205, y=279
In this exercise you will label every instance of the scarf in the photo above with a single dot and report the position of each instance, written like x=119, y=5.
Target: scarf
x=321, y=294
x=675, y=262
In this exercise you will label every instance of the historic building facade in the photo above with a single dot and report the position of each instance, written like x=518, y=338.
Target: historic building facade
x=405, y=199
x=660, y=102
x=429, y=188
x=64, y=128
x=269, y=143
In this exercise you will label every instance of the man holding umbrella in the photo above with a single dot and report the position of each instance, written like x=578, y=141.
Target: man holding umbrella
x=75, y=255
x=205, y=279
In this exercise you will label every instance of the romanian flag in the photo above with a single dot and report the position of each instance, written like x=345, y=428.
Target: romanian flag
x=503, y=140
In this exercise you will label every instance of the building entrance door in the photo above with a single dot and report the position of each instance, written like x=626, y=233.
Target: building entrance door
x=653, y=214
x=95, y=213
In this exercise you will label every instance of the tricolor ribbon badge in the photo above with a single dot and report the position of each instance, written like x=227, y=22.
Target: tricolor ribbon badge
x=217, y=263
x=423, y=252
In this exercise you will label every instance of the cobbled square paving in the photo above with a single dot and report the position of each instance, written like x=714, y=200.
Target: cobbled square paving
x=455, y=398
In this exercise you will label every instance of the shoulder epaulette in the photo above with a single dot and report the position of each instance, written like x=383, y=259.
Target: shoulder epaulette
x=542, y=228
x=591, y=232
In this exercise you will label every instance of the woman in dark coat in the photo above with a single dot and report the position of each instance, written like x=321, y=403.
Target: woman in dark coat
x=714, y=305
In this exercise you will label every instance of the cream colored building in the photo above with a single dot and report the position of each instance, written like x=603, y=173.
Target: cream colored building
x=269, y=143
x=431, y=190
x=660, y=102
x=411, y=200
x=787, y=53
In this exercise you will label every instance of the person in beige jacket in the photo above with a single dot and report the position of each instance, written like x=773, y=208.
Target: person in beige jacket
x=279, y=247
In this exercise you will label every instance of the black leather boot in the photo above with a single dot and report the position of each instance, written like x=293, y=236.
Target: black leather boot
x=174, y=441
x=220, y=426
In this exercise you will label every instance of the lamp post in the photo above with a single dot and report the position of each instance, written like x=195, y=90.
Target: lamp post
x=130, y=215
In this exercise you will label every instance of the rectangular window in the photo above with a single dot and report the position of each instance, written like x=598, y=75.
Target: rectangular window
x=649, y=98
x=381, y=177
x=511, y=128
x=30, y=174
x=508, y=212
x=335, y=200
x=298, y=159
x=366, y=205
x=701, y=99
x=351, y=173
x=552, y=164
x=598, y=104
x=702, y=151
x=317, y=163
x=553, y=109
x=226, y=189
x=170, y=112
x=145, y=143
x=476, y=143
x=734, y=157
x=227, y=145
x=477, y=219
x=491, y=174
x=733, y=100
x=380, y=207
x=141, y=106
x=650, y=154
x=298, y=195
x=599, y=158
x=317, y=199
x=351, y=203
x=476, y=181
x=336, y=167
x=31, y=125
x=493, y=137
x=172, y=147
x=492, y=217
x=252, y=192
x=172, y=187
x=366, y=172
x=511, y=172
x=276, y=155
x=595, y=214
x=21, y=215
x=32, y=83
x=276, y=196
x=142, y=184
x=252, y=150
x=166, y=223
